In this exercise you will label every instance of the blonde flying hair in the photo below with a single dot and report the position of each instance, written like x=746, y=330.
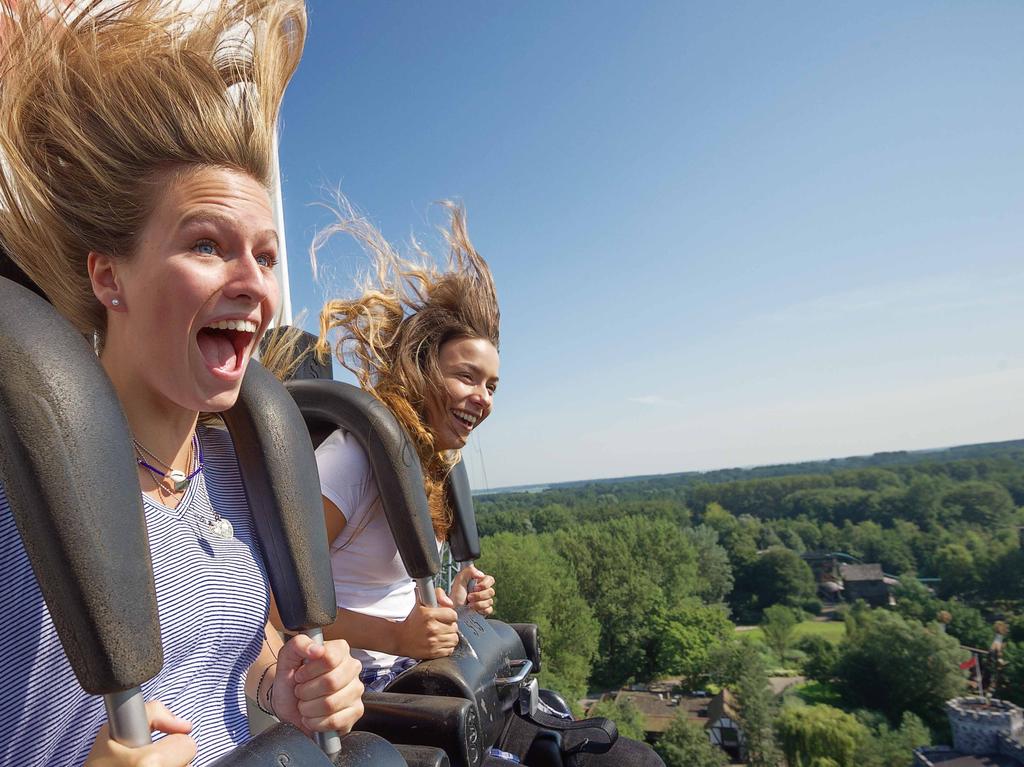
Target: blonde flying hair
x=391, y=333
x=101, y=105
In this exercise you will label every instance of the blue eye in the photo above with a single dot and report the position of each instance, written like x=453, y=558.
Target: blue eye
x=206, y=247
x=266, y=260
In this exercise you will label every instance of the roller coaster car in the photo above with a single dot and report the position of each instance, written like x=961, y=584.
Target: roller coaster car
x=68, y=470
x=494, y=701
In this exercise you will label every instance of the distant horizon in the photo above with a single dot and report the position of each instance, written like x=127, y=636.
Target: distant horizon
x=746, y=467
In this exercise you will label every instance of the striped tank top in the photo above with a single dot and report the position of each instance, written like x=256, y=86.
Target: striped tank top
x=212, y=596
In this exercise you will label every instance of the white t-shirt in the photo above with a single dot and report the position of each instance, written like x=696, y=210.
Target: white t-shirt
x=369, y=576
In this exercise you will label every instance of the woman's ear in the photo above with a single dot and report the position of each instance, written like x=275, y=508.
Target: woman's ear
x=103, y=276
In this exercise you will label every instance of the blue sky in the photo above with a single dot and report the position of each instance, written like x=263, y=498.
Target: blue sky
x=723, y=234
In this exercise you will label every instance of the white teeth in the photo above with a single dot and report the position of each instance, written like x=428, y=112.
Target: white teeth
x=245, y=325
x=465, y=415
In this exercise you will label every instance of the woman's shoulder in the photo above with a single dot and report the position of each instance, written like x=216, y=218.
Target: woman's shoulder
x=341, y=453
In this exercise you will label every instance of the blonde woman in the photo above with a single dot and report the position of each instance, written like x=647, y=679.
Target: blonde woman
x=424, y=341
x=133, y=192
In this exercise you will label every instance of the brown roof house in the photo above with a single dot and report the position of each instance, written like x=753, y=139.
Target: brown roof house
x=723, y=726
x=866, y=582
x=658, y=708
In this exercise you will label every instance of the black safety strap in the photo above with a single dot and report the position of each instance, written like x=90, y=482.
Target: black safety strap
x=583, y=736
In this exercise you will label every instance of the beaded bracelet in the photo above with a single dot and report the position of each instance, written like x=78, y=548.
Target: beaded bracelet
x=269, y=710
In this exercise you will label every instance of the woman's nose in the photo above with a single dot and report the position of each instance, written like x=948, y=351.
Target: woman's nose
x=483, y=396
x=250, y=280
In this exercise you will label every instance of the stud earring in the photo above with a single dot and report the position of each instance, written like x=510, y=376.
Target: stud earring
x=115, y=302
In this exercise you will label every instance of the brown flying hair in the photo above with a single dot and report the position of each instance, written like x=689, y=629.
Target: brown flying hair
x=391, y=333
x=99, y=104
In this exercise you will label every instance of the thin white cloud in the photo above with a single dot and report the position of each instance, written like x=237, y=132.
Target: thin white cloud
x=655, y=400
x=939, y=294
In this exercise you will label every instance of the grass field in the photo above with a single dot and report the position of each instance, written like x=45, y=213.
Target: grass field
x=833, y=631
x=817, y=693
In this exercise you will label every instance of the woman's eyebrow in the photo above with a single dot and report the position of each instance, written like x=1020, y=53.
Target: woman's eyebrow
x=475, y=370
x=213, y=218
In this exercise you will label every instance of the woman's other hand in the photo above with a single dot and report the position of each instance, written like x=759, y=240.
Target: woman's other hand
x=481, y=598
x=317, y=687
x=176, y=750
x=429, y=632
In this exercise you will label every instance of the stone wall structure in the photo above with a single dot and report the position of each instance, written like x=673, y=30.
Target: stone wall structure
x=979, y=725
x=1012, y=746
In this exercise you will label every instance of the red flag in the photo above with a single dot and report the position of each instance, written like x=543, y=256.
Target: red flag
x=971, y=663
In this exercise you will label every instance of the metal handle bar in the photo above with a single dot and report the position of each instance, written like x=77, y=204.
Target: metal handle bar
x=519, y=676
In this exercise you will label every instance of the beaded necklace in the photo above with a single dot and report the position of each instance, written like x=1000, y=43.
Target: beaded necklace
x=179, y=480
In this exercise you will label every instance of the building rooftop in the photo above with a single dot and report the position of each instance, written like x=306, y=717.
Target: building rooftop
x=949, y=758
x=658, y=708
x=871, y=572
x=722, y=705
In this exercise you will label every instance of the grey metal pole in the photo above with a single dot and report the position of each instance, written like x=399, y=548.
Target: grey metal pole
x=126, y=714
x=329, y=742
x=425, y=594
x=277, y=206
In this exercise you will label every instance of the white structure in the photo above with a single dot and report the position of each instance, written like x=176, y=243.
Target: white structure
x=990, y=729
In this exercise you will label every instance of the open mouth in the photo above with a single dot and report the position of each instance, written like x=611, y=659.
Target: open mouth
x=223, y=344
x=465, y=418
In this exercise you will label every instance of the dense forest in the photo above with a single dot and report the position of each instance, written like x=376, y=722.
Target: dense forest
x=642, y=578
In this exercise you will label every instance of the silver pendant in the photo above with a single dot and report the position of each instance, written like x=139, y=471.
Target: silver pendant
x=222, y=528
x=178, y=479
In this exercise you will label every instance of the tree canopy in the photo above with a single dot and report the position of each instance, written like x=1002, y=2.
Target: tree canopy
x=893, y=665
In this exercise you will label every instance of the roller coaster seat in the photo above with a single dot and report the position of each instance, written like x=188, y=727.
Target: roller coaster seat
x=68, y=470
x=488, y=675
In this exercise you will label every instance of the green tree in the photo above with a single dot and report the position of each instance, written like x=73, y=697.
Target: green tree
x=686, y=744
x=968, y=625
x=914, y=600
x=887, y=545
x=888, y=747
x=986, y=504
x=807, y=733
x=713, y=568
x=627, y=717
x=1011, y=677
x=959, y=570
x=632, y=570
x=738, y=537
x=686, y=638
x=537, y=585
x=921, y=501
x=893, y=664
x=778, y=624
x=821, y=657
x=757, y=709
x=738, y=666
x=778, y=576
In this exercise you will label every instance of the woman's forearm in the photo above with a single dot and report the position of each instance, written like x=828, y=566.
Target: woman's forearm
x=367, y=632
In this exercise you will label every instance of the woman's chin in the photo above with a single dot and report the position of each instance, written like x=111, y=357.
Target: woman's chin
x=218, y=389
x=453, y=442
x=215, y=396
x=218, y=403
